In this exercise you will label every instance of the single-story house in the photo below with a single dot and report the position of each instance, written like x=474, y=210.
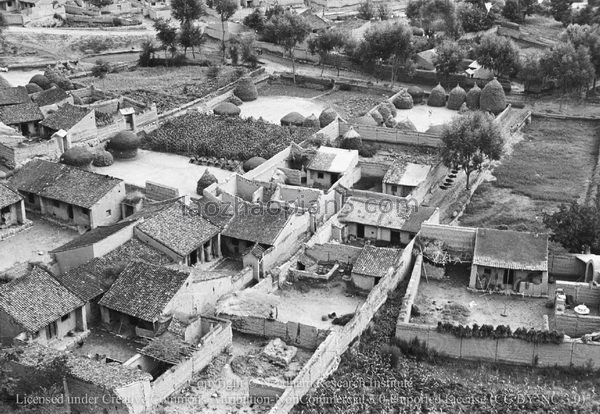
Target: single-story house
x=12, y=207
x=51, y=99
x=372, y=264
x=143, y=297
x=14, y=95
x=70, y=194
x=510, y=261
x=37, y=308
x=403, y=177
x=315, y=22
x=24, y=117
x=70, y=124
x=476, y=71
x=328, y=165
x=182, y=233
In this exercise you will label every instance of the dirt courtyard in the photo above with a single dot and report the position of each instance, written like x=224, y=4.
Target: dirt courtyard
x=307, y=302
x=449, y=300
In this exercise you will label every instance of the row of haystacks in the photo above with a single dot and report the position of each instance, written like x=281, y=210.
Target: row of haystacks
x=489, y=99
x=124, y=145
x=326, y=117
x=245, y=91
x=51, y=77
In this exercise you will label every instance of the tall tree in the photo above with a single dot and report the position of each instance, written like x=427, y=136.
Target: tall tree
x=570, y=66
x=588, y=36
x=391, y=42
x=469, y=141
x=576, y=227
x=167, y=35
x=449, y=55
x=255, y=20
x=434, y=16
x=100, y=70
x=498, y=54
x=531, y=72
x=474, y=16
x=244, y=46
x=226, y=9
x=561, y=10
x=190, y=36
x=287, y=30
x=186, y=11
x=325, y=43
x=147, y=53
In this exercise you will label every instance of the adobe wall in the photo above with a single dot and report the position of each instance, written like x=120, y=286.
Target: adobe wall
x=576, y=325
x=264, y=392
x=456, y=238
x=581, y=292
x=160, y=192
x=111, y=201
x=333, y=252
x=411, y=290
x=393, y=135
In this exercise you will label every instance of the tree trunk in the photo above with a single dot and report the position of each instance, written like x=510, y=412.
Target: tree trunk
x=468, y=172
x=322, y=66
x=223, y=38
x=293, y=65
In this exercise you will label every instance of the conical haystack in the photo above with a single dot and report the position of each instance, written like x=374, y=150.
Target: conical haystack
x=492, y=97
x=293, y=118
x=246, y=90
x=252, y=163
x=390, y=106
x=33, y=88
x=351, y=139
x=437, y=97
x=102, y=158
x=456, y=98
x=473, y=97
x=416, y=93
x=404, y=101
x=77, y=157
x=226, y=109
x=311, y=122
x=206, y=180
x=124, y=145
x=327, y=117
x=377, y=117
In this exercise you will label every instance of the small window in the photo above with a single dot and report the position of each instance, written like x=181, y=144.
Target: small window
x=31, y=198
x=394, y=188
x=108, y=213
x=65, y=317
x=320, y=175
x=56, y=203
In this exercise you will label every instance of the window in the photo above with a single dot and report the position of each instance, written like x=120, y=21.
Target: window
x=31, y=198
x=56, y=203
x=108, y=213
x=394, y=188
x=65, y=317
x=487, y=271
x=320, y=175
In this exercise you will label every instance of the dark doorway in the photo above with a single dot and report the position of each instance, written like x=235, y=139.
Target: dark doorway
x=70, y=211
x=395, y=238
x=129, y=121
x=193, y=257
x=360, y=231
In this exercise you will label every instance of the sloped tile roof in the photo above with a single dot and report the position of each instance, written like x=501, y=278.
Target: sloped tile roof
x=92, y=236
x=8, y=196
x=416, y=218
x=406, y=173
x=376, y=261
x=511, y=250
x=20, y=113
x=37, y=299
x=216, y=212
x=331, y=159
x=62, y=182
x=180, y=228
x=13, y=96
x=258, y=224
x=50, y=96
x=169, y=348
x=65, y=117
x=82, y=281
x=143, y=290
x=379, y=213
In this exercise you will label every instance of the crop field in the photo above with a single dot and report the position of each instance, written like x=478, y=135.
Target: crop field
x=553, y=164
x=230, y=138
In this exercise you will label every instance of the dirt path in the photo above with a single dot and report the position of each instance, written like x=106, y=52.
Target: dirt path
x=79, y=32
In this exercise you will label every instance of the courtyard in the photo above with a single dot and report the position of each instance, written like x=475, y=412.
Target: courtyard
x=424, y=116
x=273, y=108
x=102, y=343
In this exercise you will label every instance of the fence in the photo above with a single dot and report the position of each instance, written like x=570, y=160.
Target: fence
x=326, y=357
x=411, y=290
x=393, y=135
x=505, y=350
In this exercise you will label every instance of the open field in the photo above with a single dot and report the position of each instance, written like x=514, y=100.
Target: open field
x=273, y=108
x=553, y=164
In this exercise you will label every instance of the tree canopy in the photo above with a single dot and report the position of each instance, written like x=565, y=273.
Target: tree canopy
x=449, y=54
x=575, y=227
x=226, y=9
x=470, y=140
x=190, y=36
x=588, y=36
x=186, y=11
x=325, y=43
x=497, y=53
x=570, y=66
x=287, y=30
x=167, y=35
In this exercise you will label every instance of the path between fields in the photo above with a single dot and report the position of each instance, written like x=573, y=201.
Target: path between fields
x=80, y=32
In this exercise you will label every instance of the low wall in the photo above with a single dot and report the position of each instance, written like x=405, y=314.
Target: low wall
x=506, y=350
x=576, y=325
x=581, y=292
x=393, y=135
x=411, y=290
x=264, y=392
x=457, y=239
x=333, y=252
x=564, y=265
x=303, y=274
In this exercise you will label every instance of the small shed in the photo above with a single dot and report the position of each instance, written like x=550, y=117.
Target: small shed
x=372, y=264
x=403, y=177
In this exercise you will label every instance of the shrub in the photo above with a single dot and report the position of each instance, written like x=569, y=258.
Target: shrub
x=235, y=100
x=384, y=112
x=41, y=81
x=417, y=94
x=311, y=122
x=456, y=98
x=366, y=10
x=437, y=97
x=327, y=116
x=213, y=72
x=102, y=158
x=252, y=163
x=492, y=97
x=377, y=117
x=124, y=145
x=206, y=180
x=33, y=88
x=404, y=101
x=367, y=150
x=473, y=97
x=227, y=109
x=246, y=90
x=292, y=119
x=77, y=157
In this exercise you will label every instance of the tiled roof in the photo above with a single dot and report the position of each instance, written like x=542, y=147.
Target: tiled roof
x=180, y=228
x=13, y=96
x=511, y=250
x=20, y=113
x=315, y=22
x=8, y=196
x=257, y=224
x=416, y=218
x=403, y=173
x=216, y=212
x=333, y=160
x=143, y=290
x=62, y=182
x=83, y=282
x=169, y=348
x=92, y=236
x=65, y=117
x=376, y=261
x=379, y=213
x=50, y=96
x=37, y=299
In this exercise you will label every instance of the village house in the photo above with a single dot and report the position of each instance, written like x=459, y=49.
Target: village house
x=329, y=164
x=182, y=233
x=510, y=261
x=403, y=177
x=142, y=299
x=70, y=125
x=51, y=99
x=37, y=308
x=372, y=264
x=19, y=112
x=69, y=194
x=12, y=207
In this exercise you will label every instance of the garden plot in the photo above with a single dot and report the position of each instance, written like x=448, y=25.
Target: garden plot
x=424, y=117
x=273, y=108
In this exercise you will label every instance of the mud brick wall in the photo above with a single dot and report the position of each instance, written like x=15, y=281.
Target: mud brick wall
x=331, y=252
x=411, y=290
x=158, y=192
x=581, y=292
x=264, y=392
x=576, y=325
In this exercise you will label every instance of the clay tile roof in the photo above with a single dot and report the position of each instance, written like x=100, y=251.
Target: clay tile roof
x=65, y=117
x=143, y=290
x=379, y=213
x=180, y=228
x=376, y=261
x=36, y=299
x=13, y=96
x=93, y=236
x=64, y=183
x=83, y=282
x=20, y=113
x=314, y=21
x=511, y=250
x=333, y=160
x=8, y=196
x=257, y=224
x=417, y=218
x=168, y=348
x=50, y=96
x=403, y=173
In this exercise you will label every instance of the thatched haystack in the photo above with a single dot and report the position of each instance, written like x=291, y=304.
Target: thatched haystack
x=390, y=106
x=416, y=93
x=456, y=98
x=246, y=90
x=377, y=117
x=33, y=88
x=204, y=181
x=406, y=125
x=124, y=145
x=311, y=122
x=58, y=78
x=102, y=158
x=327, y=116
x=252, y=163
x=437, y=97
x=366, y=120
x=292, y=119
x=391, y=123
x=404, y=101
x=351, y=140
x=226, y=109
x=235, y=100
x=435, y=129
x=246, y=303
x=473, y=97
x=384, y=112
x=492, y=97
x=41, y=81
x=77, y=157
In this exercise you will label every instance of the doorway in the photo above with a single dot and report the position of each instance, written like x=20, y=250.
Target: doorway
x=360, y=231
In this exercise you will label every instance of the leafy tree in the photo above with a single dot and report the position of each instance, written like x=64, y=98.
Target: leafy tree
x=449, y=54
x=167, y=35
x=475, y=17
x=186, y=11
x=531, y=72
x=325, y=43
x=469, y=141
x=101, y=3
x=276, y=10
x=517, y=10
x=561, y=10
x=190, y=36
x=287, y=30
x=366, y=10
x=244, y=46
x=8, y=384
x=390, y=43
x=588, y=36
x=576, y=227
x=226, y=9
x=100, y=70
x=255, y=20
x=570, y=66
x=383, y=11
x=498, y=54
x=147, y=53
x=433, y=16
